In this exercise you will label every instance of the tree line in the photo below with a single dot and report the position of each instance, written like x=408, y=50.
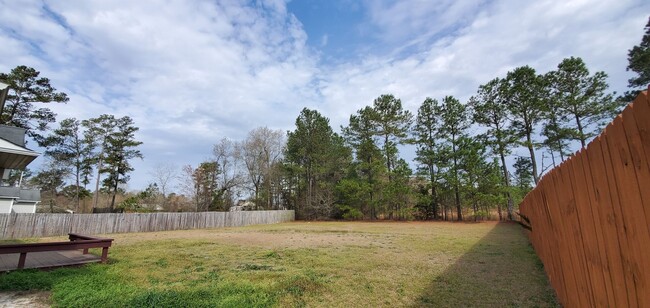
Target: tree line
x=359, y=174
x=462, y=149
x=465, y=165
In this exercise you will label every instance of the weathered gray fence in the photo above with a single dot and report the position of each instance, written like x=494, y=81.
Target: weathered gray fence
x=14, y=226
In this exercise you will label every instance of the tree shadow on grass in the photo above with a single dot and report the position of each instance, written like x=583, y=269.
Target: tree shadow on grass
x=500, y=270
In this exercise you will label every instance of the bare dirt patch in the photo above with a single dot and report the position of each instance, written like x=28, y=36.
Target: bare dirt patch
x=32, y=299
x=271, y=240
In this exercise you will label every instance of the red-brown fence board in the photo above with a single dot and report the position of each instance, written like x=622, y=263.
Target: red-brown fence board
x=620, y=223
x=638, y=156
x=632, y=208
x=571, y=265
x=612, y=220
x=590, y=217
x=588, y=232
x=600, y=260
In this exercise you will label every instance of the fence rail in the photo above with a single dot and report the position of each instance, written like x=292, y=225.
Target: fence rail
x=14, y=226
x=590, y=217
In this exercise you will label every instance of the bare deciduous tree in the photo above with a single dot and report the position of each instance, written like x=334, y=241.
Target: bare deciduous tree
x=261, y=151
x=163, y=174
x=227, y=154
x=188, y=184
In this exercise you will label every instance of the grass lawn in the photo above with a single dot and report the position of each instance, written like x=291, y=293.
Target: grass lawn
x=326, y=264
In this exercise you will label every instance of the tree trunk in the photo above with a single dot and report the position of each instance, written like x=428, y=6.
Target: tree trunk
x=2, y=110
x=117, y=181
x=531, y=149
x=561, y=149
x=499, y=211
x=434, y=197
x=553, y=158
x=583, y=139
x=310, y=196
x=96, y=196
x=113, y=199
x=475, y=211
x=257, y=192
x=458, y=209
x=559, y=142
x=387, y=158
x=456, y=188
x=373, y=212
x=76, y=196
x=506, y=180
x=13, y=109
x=2, y=107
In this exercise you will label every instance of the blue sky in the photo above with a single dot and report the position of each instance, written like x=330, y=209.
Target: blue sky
x=193, y=72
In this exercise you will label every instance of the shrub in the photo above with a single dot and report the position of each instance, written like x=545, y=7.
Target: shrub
x=350, y=213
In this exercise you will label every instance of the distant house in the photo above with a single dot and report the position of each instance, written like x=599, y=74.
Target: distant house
x=243, y=205
x=14, y=155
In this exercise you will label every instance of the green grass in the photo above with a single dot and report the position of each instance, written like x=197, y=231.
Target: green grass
x=307, y=264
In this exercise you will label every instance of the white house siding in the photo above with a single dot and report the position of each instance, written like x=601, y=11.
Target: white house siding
x=5, y=205
x=25, y=207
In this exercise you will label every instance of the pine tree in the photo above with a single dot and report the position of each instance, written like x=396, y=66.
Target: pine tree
x=639, y=62
x=96, y=136
x=453, y=127
x=320, y=158
x=25, y=89
x=582, y=97
x=370, y=166
x=557, y=136
x=68, y=148
x=425, y=137
x=122, y=147
x=474, y=168
x=115, y=144
x=490, y=109
x=523, y=94
x=392, y=124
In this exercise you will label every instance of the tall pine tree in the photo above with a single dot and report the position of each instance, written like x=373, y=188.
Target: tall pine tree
x=581, y=97
x=370, y=167
x=320, y=158
x=490, y=109
x=26, y=87
x=68, y=147
x=428, y=156
x=122, y=147
x=453, y=128
x=639, y=62
x=523, y=93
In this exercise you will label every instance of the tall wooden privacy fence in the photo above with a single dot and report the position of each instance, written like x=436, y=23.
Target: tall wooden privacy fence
x=590, y=217
x=13, y=226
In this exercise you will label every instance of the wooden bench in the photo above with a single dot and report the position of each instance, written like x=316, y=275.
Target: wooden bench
x=77, y=241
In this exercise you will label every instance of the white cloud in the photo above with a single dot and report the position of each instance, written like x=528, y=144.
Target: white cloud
x=323, y=40
x=504, y=35
x=190, y=73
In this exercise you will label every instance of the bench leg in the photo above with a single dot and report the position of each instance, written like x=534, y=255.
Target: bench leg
x=85, y=251
x=104, y=254
x=21, y=260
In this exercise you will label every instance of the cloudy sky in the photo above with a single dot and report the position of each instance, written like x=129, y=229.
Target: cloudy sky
x=192, y=72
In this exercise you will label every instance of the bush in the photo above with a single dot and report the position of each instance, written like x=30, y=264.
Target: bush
x=350, y=213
